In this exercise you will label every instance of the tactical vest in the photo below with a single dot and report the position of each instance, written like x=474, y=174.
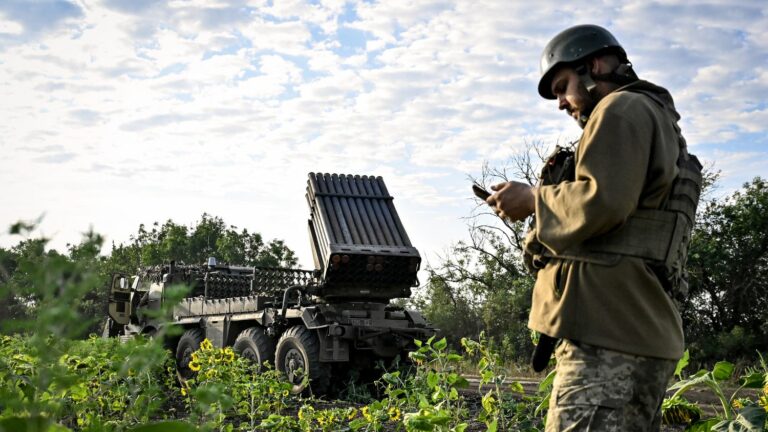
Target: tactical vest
x=658, y=236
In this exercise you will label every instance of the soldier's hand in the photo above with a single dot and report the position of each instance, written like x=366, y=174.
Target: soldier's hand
x=512, y=200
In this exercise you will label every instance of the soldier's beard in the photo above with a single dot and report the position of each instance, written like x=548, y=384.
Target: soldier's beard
x=585, y=110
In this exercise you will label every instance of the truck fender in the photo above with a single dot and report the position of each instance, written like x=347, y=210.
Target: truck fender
x=416, y=318
x=313, y=319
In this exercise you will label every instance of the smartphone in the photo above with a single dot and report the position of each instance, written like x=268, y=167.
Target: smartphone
x=480, y=192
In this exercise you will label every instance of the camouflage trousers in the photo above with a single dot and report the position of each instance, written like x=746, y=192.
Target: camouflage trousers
x=596, y=389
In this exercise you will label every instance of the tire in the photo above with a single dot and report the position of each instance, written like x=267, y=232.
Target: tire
x=190, y=342
x=253, y=344
x=299, y=349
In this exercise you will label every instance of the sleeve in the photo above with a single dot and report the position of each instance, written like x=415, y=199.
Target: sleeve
x=611, y=165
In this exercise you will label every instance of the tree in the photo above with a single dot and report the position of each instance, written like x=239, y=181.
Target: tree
x=41, y=288
x=209, y=237
x=727, y=311
x=482, y=285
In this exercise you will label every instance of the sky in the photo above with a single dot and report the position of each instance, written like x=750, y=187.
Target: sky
x=122, y=112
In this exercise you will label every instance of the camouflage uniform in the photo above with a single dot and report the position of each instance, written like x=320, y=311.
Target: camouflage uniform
x=603, y=390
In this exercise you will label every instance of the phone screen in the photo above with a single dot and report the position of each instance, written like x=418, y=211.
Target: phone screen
x=480, y=192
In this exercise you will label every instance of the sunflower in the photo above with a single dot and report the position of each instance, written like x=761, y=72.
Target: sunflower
x=394, y=414
x=306, y=412
x=763, y=401
x=206, y=345
x=194, y=366
x=230, y=355
x=367, y=414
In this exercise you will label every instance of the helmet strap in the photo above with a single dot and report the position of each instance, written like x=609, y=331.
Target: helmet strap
x=586, y=80
x=622, y=75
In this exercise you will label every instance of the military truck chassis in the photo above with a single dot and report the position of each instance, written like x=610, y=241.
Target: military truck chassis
x=301, y=321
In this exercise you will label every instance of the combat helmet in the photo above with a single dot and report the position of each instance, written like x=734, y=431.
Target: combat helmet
x=571, y=46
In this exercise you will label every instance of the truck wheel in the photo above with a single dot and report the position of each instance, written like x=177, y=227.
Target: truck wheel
x=298, y=356
x=110, y=329
x=256, y=346
x=190, y=342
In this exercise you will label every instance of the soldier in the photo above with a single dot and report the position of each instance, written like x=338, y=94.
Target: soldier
x=609, y=242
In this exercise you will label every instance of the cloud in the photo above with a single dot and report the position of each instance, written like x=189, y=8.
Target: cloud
x=128, y=168
x=131, y=6
x=86, y=116
x=40, y=15
x=158, y=120
x=54, y=148
x=248, y=96
x=10, y=27
x=58, y=158
x=733, y=165
x=288, y=37
x=277, y=66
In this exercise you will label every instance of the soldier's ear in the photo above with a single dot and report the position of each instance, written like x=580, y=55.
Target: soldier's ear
x=594, y=65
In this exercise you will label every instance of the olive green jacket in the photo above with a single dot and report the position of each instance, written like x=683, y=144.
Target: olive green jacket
x=625, y=160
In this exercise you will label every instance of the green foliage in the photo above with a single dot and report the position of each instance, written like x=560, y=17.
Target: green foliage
x=748, y=419
x=491, y=372
x=506, y=403
x=482, y=287
x=165, y=426
x=44, y=286
x=435, y=386
x=738, y=414
x=325, y=420
x=209, y=237
x=681, y=364
x=227, y=385
x=428, y=398
x=46, y=372
x=677, y=410
x=727, y=312
x=95, y=384
x=30, y=424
